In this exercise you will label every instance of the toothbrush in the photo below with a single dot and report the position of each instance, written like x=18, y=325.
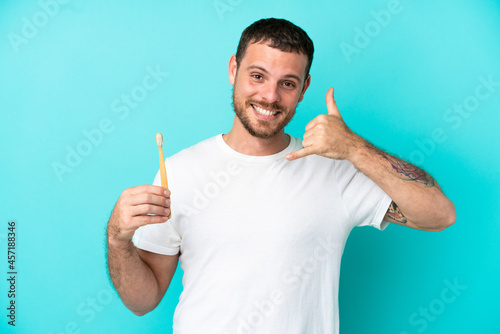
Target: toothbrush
x=163, y=171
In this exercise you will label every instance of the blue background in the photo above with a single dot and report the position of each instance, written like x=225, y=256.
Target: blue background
x=69, y=73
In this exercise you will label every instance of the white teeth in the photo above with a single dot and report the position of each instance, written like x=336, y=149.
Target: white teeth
x=263, y=111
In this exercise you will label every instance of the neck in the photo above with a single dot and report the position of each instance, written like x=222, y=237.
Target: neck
x=240, y=140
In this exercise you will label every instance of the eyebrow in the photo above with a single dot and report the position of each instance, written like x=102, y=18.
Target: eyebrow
x=265, y=71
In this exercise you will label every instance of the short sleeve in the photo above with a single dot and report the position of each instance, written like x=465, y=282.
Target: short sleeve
x=162, y=238
x=366, y=203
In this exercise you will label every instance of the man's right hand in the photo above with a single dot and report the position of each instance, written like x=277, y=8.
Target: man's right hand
x=136, y=207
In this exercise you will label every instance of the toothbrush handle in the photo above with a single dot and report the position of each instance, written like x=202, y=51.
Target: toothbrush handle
x=163, y=175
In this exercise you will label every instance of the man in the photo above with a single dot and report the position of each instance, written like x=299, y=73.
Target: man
x=259, y=221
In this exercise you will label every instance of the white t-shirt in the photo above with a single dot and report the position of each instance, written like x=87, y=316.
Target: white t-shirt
x=260, y=237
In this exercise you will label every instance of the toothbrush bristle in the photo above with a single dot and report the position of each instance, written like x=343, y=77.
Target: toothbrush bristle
x=159, y=139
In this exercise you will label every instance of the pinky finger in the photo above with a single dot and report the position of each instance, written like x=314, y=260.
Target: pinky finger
x=299, y=154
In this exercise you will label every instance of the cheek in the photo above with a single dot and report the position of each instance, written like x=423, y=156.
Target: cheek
x=248, y=89
x=292, y=101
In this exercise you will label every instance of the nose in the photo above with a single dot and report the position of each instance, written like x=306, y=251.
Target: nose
x=270, y=93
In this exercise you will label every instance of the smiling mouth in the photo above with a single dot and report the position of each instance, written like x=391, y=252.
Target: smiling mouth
x=264, y=112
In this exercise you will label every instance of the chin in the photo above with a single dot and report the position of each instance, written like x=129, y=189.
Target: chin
x=263, y=134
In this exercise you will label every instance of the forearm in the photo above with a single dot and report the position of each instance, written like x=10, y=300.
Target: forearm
x=133, y=279
x=419, y=200
x=415, y=192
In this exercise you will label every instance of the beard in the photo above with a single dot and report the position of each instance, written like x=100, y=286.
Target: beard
x=264, y=129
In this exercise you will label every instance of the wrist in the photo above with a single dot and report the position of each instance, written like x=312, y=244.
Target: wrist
x=358, y=150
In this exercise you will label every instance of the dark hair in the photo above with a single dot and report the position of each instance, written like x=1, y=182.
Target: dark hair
x=279, y=34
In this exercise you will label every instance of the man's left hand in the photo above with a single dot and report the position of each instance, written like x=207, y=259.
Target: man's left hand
x=328, y=135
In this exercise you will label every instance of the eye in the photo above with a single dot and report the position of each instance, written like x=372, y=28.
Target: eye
x=289, y=84
x=257, y=76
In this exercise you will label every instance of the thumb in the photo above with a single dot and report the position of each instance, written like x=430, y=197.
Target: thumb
x=330, y=103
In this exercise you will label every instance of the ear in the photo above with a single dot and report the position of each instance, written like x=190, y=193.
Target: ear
x=306, y=84
x=232, y=69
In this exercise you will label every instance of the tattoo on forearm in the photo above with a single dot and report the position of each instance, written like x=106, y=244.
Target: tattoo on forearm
x=396, y=214
x=407, y=171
